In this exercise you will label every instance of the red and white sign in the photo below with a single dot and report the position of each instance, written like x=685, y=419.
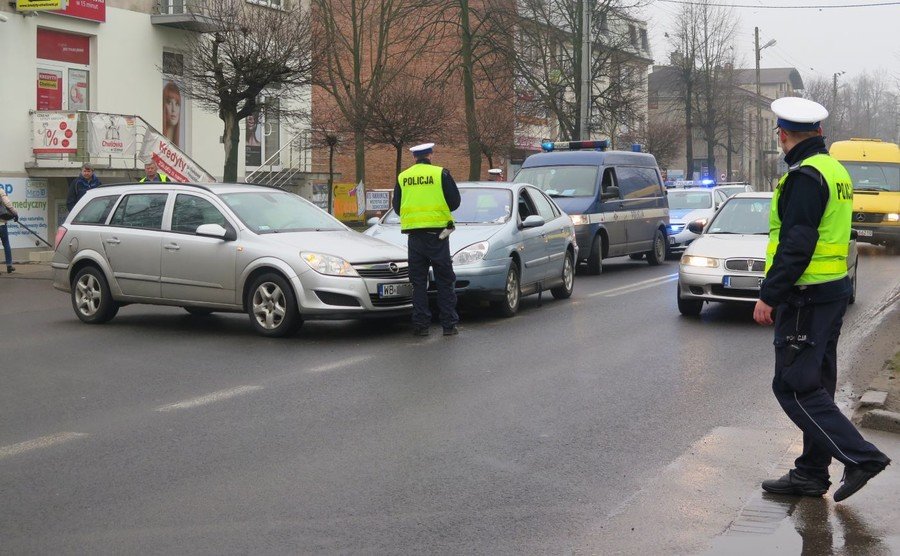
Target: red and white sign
x=93, y=10
x=54, y=132
x=172, y=161
x=63, y=47
x=49, y=90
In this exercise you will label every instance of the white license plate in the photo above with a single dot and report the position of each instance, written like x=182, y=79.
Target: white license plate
x=742, y=282
x=862, y=232
x=403, y=289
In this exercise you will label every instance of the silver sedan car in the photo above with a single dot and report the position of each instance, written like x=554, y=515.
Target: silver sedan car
x=224, y=247
x=510, y=240
x=727, y=262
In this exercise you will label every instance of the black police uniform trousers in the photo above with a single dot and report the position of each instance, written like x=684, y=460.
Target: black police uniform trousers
x=806, y=337
x=427, y=249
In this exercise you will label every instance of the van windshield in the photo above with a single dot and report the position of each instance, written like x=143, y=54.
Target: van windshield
x=874, y=177
x=561, y=181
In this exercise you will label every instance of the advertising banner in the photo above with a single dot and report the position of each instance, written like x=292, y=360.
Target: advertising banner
x=112, y=135
x=49, y=90
x=378, y=200
x=63, y=47
x=54, y=132
x=78, y=90
x=29, y=197
x=93, y=10
x=346, y=202
x=39, y=5
x=172, y=161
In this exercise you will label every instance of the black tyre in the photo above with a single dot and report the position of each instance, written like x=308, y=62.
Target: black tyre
x=272, y=306
x=636, y=256
x=595, y=257
x=688, y=307
x=199, y=311
x=657, y=255
x=568, y=278
x=91, y=297
x=509, y=305
x=853, y=284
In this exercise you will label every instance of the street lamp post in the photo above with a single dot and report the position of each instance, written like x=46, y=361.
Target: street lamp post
x=759, y=162
x=834, y=92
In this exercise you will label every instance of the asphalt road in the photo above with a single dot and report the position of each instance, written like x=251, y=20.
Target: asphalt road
x=164, y=433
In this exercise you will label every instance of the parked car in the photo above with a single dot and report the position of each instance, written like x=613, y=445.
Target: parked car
x=224, y=247
x=510, y=240
x=616, y=198
x=729, y=189
x=727, y=262
x=688, y=205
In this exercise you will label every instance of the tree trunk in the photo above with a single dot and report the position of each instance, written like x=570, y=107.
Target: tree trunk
x=330, y=202
x=398, y=165
x=469, y=91
x=359, y=140
x=688, y=132
x=728, y=151
x=231, y=139
x=576, y=69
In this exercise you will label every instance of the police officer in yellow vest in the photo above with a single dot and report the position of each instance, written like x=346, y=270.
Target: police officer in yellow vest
x=807, y=289
x=152, y=173
x=424, y=197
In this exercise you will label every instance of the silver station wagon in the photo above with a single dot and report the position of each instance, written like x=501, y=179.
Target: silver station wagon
x=224, y=247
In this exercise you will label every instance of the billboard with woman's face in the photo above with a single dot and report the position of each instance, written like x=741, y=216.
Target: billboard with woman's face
x=173, y=113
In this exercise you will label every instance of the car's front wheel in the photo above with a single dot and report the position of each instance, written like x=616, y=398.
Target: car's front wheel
x=91, y=296
x=568, y=279
x=688, y=307
x=595, y=257
x=272, y=306
x=657, y=255
x=509, y=305
x=853, y=283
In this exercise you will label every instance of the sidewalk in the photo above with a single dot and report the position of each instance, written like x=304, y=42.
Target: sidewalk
x=29, y=271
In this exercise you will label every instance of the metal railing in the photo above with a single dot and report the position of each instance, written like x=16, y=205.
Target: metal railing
x=286, y=164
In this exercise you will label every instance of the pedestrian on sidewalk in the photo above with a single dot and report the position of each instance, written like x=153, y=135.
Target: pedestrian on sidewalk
x=152, y=173
x=424, y=197
x=81, y=185
x=7, y=213
x=807, y=289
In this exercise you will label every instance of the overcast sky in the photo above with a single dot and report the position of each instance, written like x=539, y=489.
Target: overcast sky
x=816, y=42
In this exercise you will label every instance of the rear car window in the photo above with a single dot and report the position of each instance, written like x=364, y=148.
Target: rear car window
x=144, y=210
x=96, y=211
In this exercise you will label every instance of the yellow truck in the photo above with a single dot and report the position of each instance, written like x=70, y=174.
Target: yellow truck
x=874, y=166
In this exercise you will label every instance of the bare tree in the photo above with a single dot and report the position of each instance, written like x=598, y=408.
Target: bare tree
x=364, y=46
x=866, y=105
x=255, y=50
x=407, y=112
x=496, y=129
x=662, y=138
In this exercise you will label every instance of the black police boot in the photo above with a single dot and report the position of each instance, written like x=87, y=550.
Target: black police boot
x=10, y=269
x=451, y=331
x=421, y=331
x=856, y=477
x=796, y=484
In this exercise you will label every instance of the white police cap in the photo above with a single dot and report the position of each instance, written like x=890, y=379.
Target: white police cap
x=424, y=148
x=798, y=114
x=495, y=171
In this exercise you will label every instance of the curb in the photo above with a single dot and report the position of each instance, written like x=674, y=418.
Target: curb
x=880, y=419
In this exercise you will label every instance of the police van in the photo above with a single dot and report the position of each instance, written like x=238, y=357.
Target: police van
x=616, y=199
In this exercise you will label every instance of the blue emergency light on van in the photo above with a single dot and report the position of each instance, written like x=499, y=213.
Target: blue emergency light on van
x=616, y=199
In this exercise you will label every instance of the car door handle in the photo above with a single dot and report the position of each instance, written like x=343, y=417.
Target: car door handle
x=172, y=247
x=113, y=241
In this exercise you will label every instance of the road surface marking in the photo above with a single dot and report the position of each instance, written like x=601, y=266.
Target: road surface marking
x=42, y=442
x=343, y=363
x=210, y=398
x=639, y=285
x=668, y=279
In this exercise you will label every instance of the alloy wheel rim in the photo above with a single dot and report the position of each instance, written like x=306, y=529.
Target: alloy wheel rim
x=568, y=274
x=660, y=248
x=269, y=306
x=512, y=290
x=88, y=295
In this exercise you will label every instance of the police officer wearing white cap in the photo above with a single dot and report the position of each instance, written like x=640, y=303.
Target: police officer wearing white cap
x=807, y=288
x=495, y=174
x=424, y=197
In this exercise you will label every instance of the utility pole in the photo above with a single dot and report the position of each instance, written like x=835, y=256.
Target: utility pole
x=758, y=142
x=834, y=92
x=586, y=88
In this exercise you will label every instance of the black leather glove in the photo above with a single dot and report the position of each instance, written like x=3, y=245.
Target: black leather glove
x=15, y=218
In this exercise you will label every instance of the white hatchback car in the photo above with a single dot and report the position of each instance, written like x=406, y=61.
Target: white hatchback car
x=727, y=262
x=224, y=247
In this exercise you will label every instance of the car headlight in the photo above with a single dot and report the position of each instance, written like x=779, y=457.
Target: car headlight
x=892, y=217
x=579, y=219
x=328, y=264
x=471, y=254
x=693, y=260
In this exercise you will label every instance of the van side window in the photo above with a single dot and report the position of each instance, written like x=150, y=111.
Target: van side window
x=609, y=180
x=638, y=183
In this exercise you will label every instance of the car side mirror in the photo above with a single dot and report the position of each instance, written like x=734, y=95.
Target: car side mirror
x=372, y=221
x=216, y=230
x=533, y=221
x=612, y=192
x=853, y=234
x=696, y=226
